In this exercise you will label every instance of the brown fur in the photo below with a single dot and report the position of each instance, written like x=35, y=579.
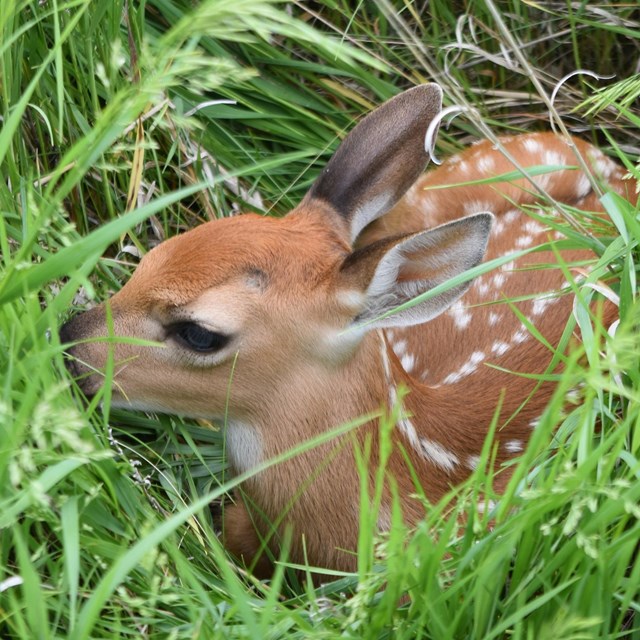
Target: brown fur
x=293, y=373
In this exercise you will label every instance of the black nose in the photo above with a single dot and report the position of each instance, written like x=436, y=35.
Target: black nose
x=80, y=329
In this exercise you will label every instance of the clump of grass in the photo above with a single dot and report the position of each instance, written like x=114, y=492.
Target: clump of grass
x=122, y=125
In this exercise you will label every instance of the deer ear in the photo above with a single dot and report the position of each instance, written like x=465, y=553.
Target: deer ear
x=379, y=159
x=395, y=270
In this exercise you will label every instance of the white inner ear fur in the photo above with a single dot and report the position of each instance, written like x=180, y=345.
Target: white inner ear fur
x=369, y=211
x=439, y=254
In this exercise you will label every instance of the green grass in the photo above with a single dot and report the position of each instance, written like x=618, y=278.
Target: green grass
x=105, y=530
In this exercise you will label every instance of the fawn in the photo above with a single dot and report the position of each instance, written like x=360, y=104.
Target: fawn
x=282, y=326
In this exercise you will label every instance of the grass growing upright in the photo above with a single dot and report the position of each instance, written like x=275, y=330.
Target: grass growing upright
x=123, y=124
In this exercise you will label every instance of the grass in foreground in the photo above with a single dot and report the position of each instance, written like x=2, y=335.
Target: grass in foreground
x=104, y=524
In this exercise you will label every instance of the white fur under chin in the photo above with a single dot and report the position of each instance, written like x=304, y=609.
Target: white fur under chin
x=243, y=445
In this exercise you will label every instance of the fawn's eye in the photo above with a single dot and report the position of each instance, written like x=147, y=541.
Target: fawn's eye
x=197, y=338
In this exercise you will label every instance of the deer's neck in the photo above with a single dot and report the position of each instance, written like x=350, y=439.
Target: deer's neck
x=328, y=488
x=312, y=400
x=318, y=401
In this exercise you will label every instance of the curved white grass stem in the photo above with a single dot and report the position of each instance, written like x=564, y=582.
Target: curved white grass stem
x=556, y=89
x=430, y=135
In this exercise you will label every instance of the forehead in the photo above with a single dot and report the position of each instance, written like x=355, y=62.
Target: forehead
x=294, y=252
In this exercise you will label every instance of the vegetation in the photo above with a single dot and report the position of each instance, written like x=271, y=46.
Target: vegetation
x=124, y=123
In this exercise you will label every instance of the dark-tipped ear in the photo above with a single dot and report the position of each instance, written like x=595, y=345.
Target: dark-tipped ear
x=395, y=270
x=379, y=159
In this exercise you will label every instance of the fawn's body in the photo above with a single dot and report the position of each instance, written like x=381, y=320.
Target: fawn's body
x=290, y=314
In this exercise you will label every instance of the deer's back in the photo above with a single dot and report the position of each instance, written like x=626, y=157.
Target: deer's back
x=474, y=352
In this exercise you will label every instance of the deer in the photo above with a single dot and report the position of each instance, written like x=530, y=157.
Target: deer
x=284, y=328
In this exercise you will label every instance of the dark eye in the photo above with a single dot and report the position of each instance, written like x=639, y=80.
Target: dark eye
x=198, y=338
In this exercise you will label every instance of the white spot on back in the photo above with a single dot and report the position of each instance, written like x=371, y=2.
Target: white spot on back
x=400, y=348
x=544, y=181
x=409, y=432
x=482, y=286
x=497, y=228
x=460, y=314
x=486, y=163
x=499, y=348
x=467, y=368
x=408, y=361
x=531, y=144
x=541, y=304
x=510, y=216
x=494, y=318
x=478, y=206
x=524, y=241
x=453, y=377
x=583, y=187
x=513, y=446
x=437, y=454
x=386, y=366
x=533, y=227
x=604, y=168
x=602, y=165
x=498, y=280
x=520, y=336
x=473, y=462
x=553, y=158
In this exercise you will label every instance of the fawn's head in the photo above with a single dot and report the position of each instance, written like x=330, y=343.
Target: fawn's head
x=256, y=300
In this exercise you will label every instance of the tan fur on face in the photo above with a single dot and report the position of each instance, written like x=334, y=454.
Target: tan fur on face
x=241, y=284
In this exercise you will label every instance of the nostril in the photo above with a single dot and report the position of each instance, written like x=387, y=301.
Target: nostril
x=77, y=370
x=80, y=358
